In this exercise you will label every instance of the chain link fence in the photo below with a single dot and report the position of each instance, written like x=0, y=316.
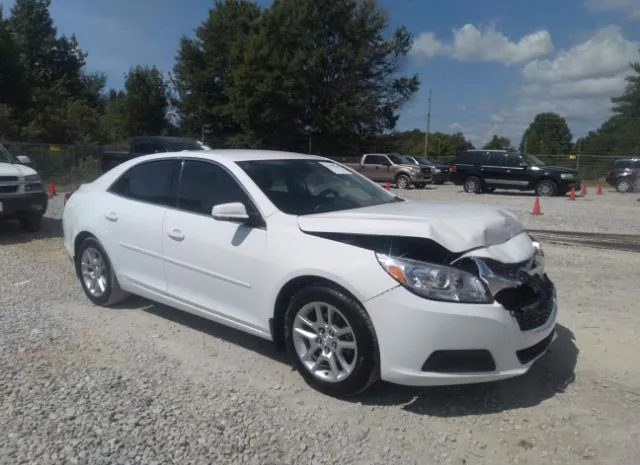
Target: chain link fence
x=75, y=164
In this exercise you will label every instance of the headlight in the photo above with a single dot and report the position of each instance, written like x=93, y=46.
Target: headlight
x=32, y=178
x=435, y=282
x=566, y=176
x=437, y=170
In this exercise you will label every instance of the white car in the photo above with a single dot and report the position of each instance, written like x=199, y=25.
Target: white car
x=356, y=283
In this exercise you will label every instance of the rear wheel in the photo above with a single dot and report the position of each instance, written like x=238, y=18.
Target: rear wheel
x=96, y=275
x=472, y=185
x=331, y=341
x=623, y=186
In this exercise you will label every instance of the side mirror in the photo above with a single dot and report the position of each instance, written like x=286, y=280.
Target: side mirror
x=24, y=160
x=233, y=211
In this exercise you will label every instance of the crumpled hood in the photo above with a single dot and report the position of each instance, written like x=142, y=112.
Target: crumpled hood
x=15, y=169
x=458, y=227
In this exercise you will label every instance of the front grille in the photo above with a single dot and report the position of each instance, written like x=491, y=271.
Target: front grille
x=8, y=178
x=530, y=304
x=426, y=170
x=459, y=361
x=8, y=189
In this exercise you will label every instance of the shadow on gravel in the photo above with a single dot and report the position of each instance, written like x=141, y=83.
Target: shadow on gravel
x=239, y=338
x=11, y=233
x=550, y=375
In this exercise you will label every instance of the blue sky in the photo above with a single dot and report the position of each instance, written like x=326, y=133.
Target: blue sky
x=492, y=65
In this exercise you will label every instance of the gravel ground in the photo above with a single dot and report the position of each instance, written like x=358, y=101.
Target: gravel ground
x=608, y=213
x=146, y=384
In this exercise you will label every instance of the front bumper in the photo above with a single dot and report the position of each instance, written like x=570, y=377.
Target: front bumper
x=23, y=204
x=428, y=343
x=571, y=183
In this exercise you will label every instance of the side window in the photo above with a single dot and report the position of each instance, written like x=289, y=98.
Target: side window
x=512, y=161
x=495, y=159
x=374, y=160
x=153, y=182
x=204, y=185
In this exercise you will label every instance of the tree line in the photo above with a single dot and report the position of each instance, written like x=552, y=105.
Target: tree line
x=323, y=77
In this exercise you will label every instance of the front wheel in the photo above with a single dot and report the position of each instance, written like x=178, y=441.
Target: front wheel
x=97, y=277
x=546, y=188
x=331, y=341
x=31, y=223
x=403, y=181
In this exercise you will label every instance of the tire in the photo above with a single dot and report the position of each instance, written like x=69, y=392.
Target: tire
x=112, y=294
x=403, y=181
x=31, y=223
x=546, y=188
x=473, y=185
x=364, y=369
x=624, y=186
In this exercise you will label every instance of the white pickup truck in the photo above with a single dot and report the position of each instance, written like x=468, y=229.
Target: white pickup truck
x=22, y=194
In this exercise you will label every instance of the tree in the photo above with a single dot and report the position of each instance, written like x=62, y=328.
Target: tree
x=13, y=89
x=499, y=143
x=628, y=104
x=202, y=75
x=548, y=134
x=145, y=102
x=323, y=70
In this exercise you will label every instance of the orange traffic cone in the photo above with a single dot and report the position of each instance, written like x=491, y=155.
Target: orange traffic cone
x=536, y=207
x=599, y=191
x=387, y=185
x=572, y=194
x=584, y=190
x=52, y=189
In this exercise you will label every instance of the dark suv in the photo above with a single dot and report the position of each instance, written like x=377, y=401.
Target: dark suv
x=624, y=174
x=487, y=170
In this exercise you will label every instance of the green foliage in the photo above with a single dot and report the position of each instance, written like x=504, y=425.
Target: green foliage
x=144, y=106
x=499, y=143
x=548, y=134
x=441, y=146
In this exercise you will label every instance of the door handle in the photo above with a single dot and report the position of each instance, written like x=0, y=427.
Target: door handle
x=111, y=216
x=176, y=234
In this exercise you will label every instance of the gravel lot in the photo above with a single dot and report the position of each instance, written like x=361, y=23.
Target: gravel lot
x=146, y=384
x=608, y=213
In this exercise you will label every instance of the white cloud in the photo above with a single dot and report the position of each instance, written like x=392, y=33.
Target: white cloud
x=629, y=8
x=604, y=55
x=489, y=45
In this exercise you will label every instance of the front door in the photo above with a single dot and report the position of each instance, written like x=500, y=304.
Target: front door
x=216, y=266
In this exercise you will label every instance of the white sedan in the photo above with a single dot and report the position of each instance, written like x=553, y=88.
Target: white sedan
x=356, y=283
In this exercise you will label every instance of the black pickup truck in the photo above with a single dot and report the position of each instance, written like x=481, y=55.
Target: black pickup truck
x=145, y=145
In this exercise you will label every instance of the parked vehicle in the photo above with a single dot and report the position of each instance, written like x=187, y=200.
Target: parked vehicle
x=356, y=283
x=392, y=168
x=22, y=194
x=624, y=174
x=487, y=170
x=145, y=145
x=439, y=172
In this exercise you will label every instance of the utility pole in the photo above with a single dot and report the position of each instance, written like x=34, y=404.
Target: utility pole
x=426, y=135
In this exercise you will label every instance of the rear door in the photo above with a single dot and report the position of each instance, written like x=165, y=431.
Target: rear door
x=376, y=167
x=494, y=170
x=133, y=217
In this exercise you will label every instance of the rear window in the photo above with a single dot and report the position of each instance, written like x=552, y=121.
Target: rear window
x=625, y=164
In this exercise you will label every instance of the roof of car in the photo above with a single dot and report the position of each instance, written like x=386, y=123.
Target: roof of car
x=236, y=155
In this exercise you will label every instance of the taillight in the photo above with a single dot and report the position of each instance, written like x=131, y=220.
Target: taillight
x=67, y=196
x=452, y=168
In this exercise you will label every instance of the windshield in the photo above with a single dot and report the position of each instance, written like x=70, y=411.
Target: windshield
x=5, y=156
x=303, y=187
x=177, y=146
x=423, y=160
x=532, y=160
x=399, y=160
